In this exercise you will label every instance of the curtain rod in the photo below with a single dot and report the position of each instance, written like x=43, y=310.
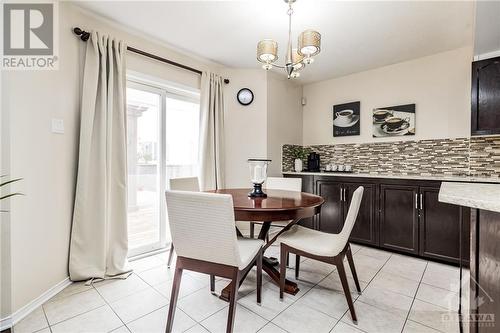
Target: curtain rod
x=84, y=35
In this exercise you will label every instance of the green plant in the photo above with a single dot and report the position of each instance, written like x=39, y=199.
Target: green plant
x=5, y=183
x=299, y=152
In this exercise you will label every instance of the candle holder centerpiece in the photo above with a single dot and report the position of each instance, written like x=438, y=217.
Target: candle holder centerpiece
x=258, y=175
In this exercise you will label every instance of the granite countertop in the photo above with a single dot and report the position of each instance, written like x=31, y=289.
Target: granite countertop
x=475, y=195
x=467, y=179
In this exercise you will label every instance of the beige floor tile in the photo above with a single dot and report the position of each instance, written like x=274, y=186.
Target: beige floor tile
x=33, y=322
x=325, y=300
x=271, y=328
x=67, y=307
x=73, y=288
x=271, y=304
x=145, y=264
x=442, y=276
x=395, y=283
x=139, y=304
x=413, y=327
x=375, y=320
x=197, y=329
x=442, y=297
x=342, y=327
x=245, y=321
x=333, y=282
x=434, y=316
x=157, y=275
x=156, y=322
x=404, y=266
x=375, y=253
x=121, y=329
x=383, y=299
x=201, y=304
x=189, y=285
x=113, y=290
x=102, y=319
x=299, y=319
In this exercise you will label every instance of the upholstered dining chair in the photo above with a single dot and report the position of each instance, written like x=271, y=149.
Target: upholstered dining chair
x=279, y=183
x=203, y=232
x=324, y=247
x=181, y=184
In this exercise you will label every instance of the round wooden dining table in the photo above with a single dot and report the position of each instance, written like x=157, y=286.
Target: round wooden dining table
x=277, y=206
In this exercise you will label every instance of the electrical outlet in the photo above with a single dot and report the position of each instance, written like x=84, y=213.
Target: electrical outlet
x=58, y=126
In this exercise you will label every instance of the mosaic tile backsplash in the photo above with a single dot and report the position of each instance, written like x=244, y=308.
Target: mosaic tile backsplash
x=477, y=156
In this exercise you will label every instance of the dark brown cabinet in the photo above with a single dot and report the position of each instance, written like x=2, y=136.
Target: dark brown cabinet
x=308, y=187
x=485, y=97
x=399, y=218
x=365, y=229
x=331, y=217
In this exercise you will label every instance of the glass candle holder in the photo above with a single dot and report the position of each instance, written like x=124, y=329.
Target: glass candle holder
x=258, y=175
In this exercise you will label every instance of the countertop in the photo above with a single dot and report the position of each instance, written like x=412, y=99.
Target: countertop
x=475, y=195
x=465, y=179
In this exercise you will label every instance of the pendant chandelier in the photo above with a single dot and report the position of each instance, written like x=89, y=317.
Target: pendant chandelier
x=309, y=45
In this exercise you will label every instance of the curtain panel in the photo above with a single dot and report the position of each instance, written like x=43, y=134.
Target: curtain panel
x=212, y=162
x=99, y=239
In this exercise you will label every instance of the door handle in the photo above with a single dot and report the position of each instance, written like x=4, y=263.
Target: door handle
x=416, y=200
x=421, y=202
x=345, y=199
x=341, y=192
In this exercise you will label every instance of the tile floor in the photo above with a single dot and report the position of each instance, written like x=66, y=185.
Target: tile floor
x=400, y=294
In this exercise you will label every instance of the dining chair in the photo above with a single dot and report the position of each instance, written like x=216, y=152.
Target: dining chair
x=324, y=247
x=279, y=183
x=203, y=232
x=181, y=184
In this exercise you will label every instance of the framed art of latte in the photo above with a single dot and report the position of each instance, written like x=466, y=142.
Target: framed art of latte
x=346, y=119
x=394, y=121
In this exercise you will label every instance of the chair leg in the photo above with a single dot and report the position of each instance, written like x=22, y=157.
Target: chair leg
x=283, y=254
x=170, y=255
x=173, y=297
x=212, y=284
x=232, y=301
x=345, y=285
x=259, y=276
x=288, y=260
x=252, y=230
x=353, y=269
x=297, y=266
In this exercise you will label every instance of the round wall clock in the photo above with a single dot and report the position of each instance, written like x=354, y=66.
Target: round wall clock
x=245, y=96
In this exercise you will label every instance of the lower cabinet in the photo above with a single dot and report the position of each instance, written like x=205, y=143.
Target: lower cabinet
x=400, y=215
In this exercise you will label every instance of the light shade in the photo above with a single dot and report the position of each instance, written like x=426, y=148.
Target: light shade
x=309, y=43
x=267, y=51
x=297, y=60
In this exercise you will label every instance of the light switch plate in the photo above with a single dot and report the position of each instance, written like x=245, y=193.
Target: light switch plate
x=57, y=126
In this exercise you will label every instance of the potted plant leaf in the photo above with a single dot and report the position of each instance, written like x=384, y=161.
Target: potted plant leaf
x=299, y=154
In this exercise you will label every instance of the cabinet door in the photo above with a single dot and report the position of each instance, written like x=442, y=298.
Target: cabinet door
x=330, y=219
x=399, y=218
x=308, y=187
x=486, y=97
x=364, y=230
x=439, y=227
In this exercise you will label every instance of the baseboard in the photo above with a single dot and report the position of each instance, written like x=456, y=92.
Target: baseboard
x=33, y=305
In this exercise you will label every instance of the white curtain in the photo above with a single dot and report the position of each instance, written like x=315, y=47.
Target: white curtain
x=99, y=243
x=211, y=132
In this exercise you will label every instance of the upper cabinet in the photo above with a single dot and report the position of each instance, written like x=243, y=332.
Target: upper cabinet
x=486, y=97
x=486, y=70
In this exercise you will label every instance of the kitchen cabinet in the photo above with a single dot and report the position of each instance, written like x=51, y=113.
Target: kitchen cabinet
x=485, y=115
x=331, y=217
x=399, y=217
x=365, y=230
x=308, y=187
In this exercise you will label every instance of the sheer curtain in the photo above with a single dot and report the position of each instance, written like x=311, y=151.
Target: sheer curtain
x=211, y=132
x=99, y=244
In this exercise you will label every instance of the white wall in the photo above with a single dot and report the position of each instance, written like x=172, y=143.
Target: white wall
x=41, y=220
x=439, y=85
x=284, y=117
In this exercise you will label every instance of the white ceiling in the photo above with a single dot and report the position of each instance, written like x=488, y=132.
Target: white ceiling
x=356, y=36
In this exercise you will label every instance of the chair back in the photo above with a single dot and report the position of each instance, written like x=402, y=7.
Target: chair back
x=202, y=226
x=352, y=214
x=285, y=184
x=184, y=184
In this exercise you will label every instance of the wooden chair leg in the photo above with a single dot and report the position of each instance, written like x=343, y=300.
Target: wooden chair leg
x=350, y=260
x=345, y=285
x=259, y=276
x=235, y=282
x=173, y=297
x=170, y=255
x=212, y=284
x=252, y=230
x=283, y=254
x=297, y=266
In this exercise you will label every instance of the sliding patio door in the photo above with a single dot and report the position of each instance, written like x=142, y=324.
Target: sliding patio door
x=162, y=138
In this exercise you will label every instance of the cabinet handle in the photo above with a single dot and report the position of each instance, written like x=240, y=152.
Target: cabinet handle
x=421, y=202
x=345, y=199
x=416, y=200
x=341, y=192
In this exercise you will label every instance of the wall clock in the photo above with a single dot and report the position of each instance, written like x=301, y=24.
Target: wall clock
x=245, y=96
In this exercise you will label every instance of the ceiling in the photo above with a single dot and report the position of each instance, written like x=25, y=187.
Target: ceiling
x=356, y=35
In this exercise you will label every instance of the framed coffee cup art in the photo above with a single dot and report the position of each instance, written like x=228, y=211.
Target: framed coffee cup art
x=346, y=119
x=394, y=121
